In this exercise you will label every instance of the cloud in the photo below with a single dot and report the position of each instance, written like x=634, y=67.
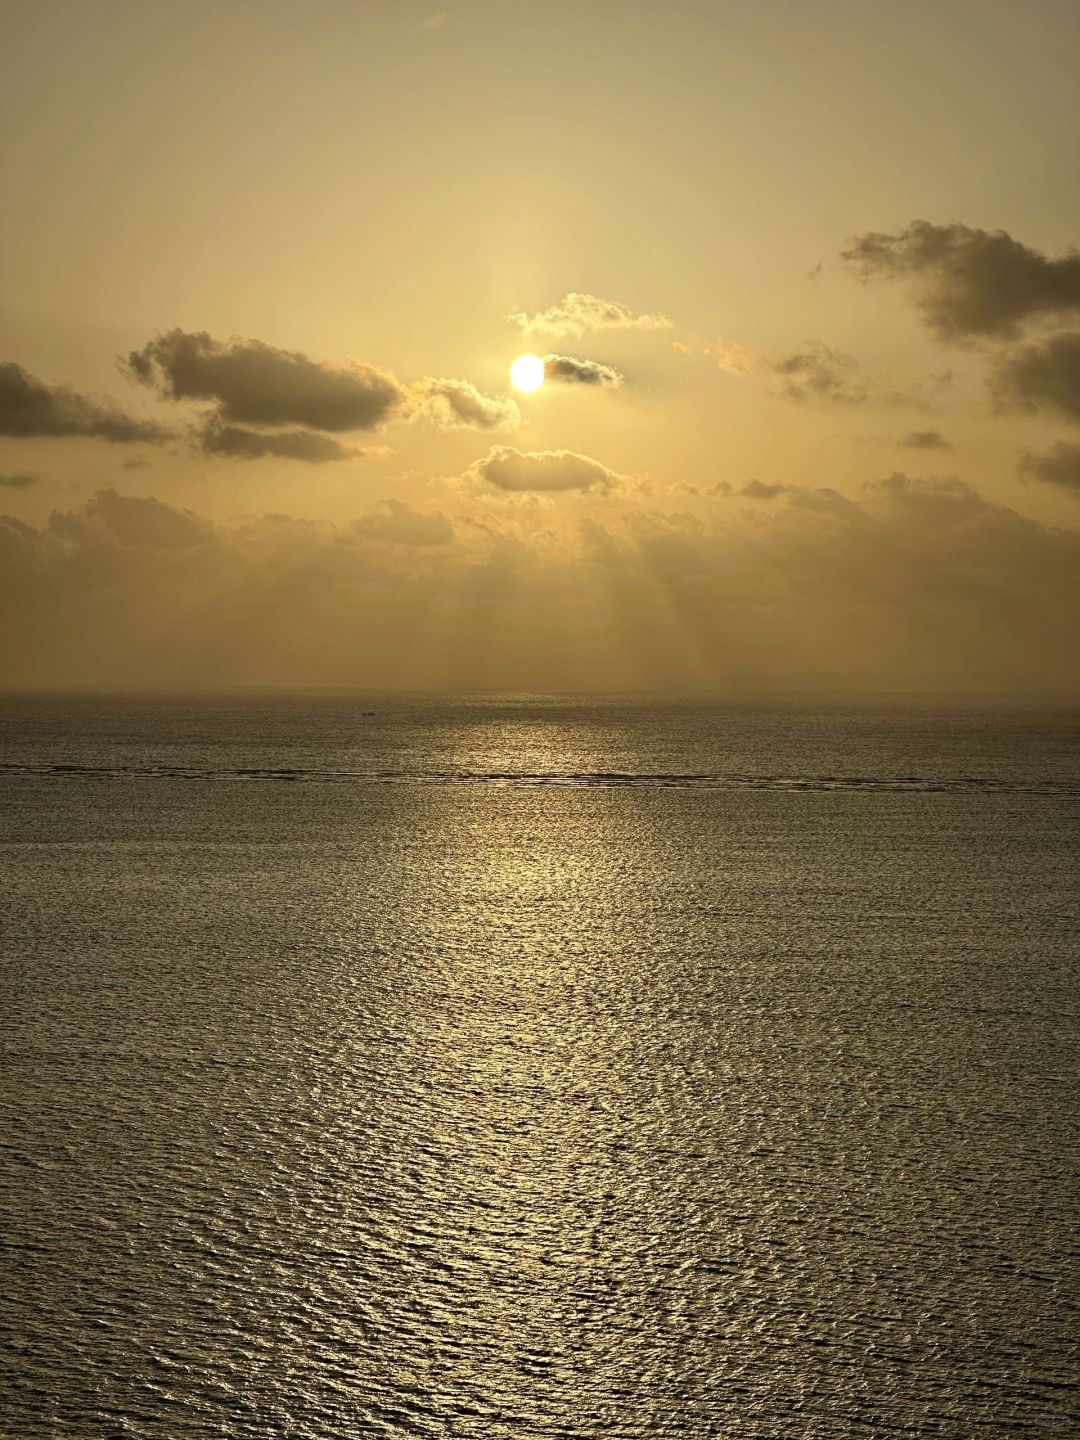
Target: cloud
x=907, y=585
x=564, y=369
x=20, y=481
x=820, y=373
x=134, y=521
x=1043, y=376
x=459, y=405
x=258, y=384
x=762, y=490
x=729, y=356
x=1059, y=466
x=578, y=314
x=968, y=282
x=399, y=524
x=236, y=442
x=29, y=407
x=535, y=470
x=255, y=384
x=925, y=440
x=137, y=462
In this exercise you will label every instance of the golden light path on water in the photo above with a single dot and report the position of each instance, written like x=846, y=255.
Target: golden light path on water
x=524, y=1234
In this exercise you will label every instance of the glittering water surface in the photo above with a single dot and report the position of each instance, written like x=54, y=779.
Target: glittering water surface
x=562, y=1069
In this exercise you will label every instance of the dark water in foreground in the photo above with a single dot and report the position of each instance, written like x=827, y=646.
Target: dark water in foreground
x=530, y=1068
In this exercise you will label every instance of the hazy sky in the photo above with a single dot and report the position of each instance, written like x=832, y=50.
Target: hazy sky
x=803, y=274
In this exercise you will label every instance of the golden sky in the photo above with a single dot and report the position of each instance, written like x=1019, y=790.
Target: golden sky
x=803, y=275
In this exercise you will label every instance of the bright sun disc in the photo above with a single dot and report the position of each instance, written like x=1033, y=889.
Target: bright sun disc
x=527, y=372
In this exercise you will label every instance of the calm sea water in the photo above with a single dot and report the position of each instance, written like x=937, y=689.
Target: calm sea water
x=519, y=1067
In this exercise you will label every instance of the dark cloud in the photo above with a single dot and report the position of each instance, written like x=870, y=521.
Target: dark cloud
x=510, y=469
x=925, y=440
x=399, y=524
x=565, y=369
x=1059, y=466
x=969, y=282
x=20, y=481
x=258, y=384
x=762, y=490
x=579, y=314
x=820, y=373
x=29, y=407
x=459, y=405
x=236, y=442
x=137, y=462
x=1045, y=376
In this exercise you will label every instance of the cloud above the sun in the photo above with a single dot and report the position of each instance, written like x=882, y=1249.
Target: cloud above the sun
x=580, y=314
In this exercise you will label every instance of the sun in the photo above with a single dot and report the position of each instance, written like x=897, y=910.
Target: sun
x=527, y=373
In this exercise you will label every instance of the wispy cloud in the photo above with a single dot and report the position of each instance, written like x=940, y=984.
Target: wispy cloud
x=820, y=373
x=581, y=314
x=435, y=21
x=237, y=442
x=729, y=356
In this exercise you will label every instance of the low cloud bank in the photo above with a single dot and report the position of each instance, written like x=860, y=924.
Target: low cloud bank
x=909, y=585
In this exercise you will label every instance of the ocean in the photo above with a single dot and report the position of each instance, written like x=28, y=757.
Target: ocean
x=522, y=1066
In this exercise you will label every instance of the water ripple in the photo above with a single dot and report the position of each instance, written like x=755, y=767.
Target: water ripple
x=573, y=779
